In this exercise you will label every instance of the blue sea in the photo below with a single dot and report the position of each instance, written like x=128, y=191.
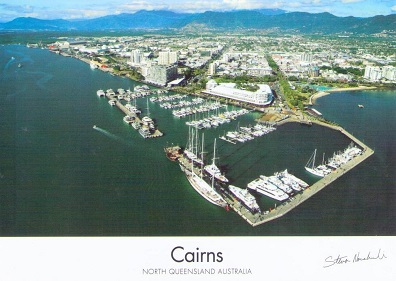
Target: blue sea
x=61, y=177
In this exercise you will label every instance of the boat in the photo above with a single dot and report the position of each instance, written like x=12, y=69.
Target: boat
x=173, y=152
x=93, y=65
x=360, y=105
x=19, y=65
x=320, y=170
x=100, y=93
x=278, y=183
x=204, y=189
x=268, y=189
x=94, y=126
x=200, y=185
x=246, y=198
x=213, y=170
x=191, y=151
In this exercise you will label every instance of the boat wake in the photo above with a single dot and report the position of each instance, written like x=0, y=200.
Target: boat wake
x=111, y=136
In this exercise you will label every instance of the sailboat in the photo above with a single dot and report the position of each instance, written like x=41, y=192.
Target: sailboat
x=191, y=151
x=320, y=170
x=202, y=187
x=213, y=170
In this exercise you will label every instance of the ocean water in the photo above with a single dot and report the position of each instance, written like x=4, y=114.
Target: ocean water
x=61, y=177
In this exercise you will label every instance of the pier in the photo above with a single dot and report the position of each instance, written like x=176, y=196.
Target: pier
x=155, y=134
x=293, y=202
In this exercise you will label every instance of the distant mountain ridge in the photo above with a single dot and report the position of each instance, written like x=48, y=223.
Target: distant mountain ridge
x=324, y=23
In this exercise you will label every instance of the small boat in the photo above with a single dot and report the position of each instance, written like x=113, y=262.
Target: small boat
x=94, y=126
x=19, y=65
x=360, y=105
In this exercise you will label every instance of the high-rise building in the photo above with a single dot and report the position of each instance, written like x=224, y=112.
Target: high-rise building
x=389, y=72
x=306, y=57
x=373, y=73
x=161, y=74
x=167, y=58
x=212, y=69
x=136, y=57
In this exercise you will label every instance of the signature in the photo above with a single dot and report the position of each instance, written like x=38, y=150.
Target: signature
x=358, y=257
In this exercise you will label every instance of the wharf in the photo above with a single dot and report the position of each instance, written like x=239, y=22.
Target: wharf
x=157, y=133
x=287, y=206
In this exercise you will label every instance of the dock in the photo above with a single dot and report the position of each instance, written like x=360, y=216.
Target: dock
x=157, y=133
x=299, y=198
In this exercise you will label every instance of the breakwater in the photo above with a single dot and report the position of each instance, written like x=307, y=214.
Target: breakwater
x=285, y=207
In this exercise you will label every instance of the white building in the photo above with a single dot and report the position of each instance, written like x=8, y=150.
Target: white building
x=263, y=96
x=167, y=58
x=136, y=57
x=306, y=57
x=373, y=73
x=161, y=75
x=389, y=72
x=212, y=69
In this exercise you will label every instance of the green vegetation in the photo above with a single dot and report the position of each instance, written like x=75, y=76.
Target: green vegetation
x=293, y=98
x=245, y=79
x=349, y=70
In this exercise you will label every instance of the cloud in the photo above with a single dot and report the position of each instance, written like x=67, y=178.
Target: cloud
x=351, y=1
x=76, y=9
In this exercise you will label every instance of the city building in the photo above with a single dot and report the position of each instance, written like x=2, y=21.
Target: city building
x=136, y=57
x=212, y=69
x=389, y=72
x=373, y=73
x=160, y=74
x=306, y=57
x=263, y=96
x=167, y=58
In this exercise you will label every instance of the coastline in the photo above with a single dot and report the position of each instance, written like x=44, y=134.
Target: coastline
x=320, y=94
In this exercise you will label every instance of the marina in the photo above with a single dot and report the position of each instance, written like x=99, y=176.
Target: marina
x=211, y=183
x=144, y=126
x=284, y=187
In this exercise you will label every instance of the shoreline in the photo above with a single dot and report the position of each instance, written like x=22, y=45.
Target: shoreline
x=320, y=94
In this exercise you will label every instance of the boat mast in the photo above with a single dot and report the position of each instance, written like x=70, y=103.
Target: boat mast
x=313, y=160
x=214, y=152
x=202, y=152
x=148, y=109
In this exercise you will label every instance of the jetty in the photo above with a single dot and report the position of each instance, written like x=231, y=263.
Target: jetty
x=133, y=116
x=294, y=201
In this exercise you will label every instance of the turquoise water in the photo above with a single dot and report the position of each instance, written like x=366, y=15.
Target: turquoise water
x=61, y=177
x=320, y=88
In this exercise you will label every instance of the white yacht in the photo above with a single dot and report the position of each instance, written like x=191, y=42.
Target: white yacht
x=246, y=198
x=268, y=189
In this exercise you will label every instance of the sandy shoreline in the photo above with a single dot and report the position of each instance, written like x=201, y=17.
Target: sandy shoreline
x=314, y=97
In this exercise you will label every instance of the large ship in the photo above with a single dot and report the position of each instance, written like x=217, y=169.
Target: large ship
x=213, y=170
x=195, y=177
x=203, y=188
x=268, y=189
x=245, y=197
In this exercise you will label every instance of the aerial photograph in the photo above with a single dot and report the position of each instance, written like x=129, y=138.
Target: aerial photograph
x=178, y=119
x=222, y=118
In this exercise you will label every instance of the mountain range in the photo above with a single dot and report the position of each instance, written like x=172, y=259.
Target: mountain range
x=324, y=23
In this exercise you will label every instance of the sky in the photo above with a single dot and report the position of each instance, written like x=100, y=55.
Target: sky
x=78, y=9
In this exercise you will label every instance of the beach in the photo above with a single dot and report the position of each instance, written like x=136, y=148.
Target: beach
x=320, y=94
